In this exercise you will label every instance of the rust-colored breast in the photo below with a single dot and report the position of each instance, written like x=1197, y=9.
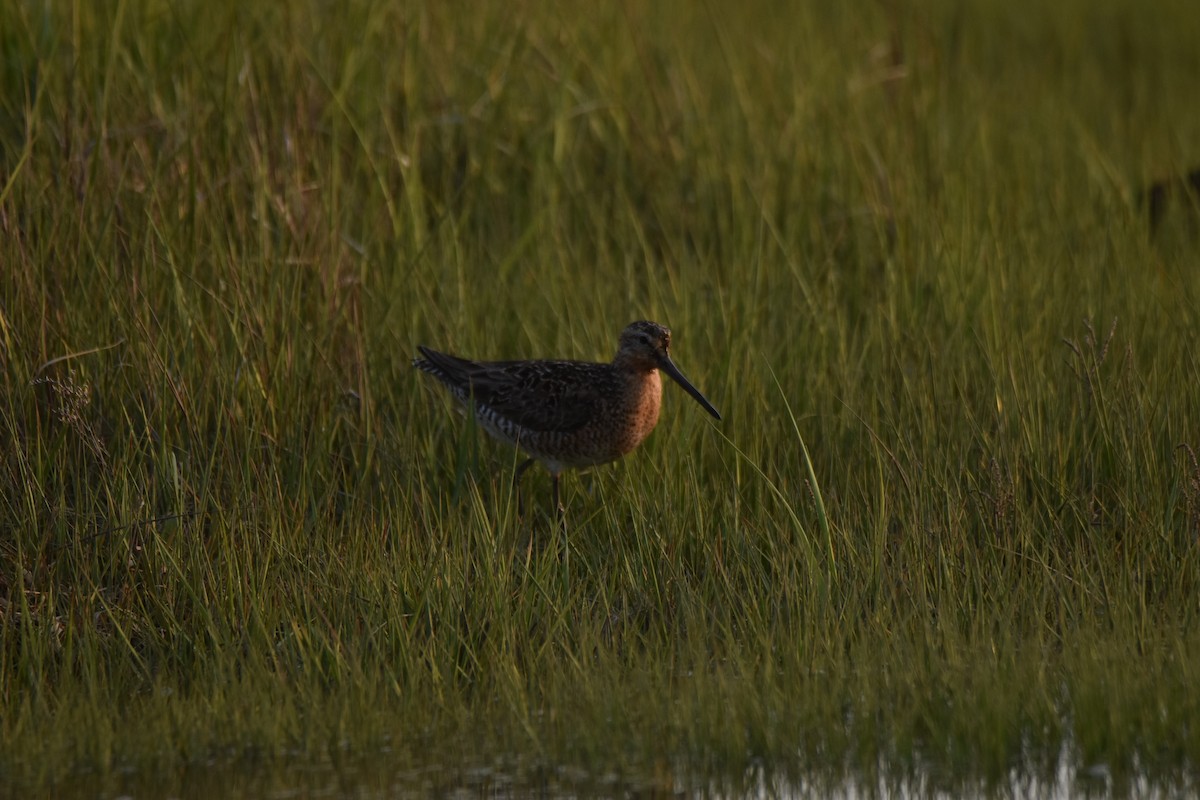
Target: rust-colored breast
x=641, y=415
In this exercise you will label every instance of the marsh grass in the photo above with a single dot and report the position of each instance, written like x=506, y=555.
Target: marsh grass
x=948, y=526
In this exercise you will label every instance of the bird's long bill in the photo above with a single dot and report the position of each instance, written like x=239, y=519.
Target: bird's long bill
x=668, y=366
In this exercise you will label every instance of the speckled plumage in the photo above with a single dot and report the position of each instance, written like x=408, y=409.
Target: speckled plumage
x=568, y=413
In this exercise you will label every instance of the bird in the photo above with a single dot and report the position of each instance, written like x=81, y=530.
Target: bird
x=567, y=414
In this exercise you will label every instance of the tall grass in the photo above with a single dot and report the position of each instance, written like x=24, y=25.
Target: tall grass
x=948, y=526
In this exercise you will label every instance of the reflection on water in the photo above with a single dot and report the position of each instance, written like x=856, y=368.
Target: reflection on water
x=381, y=776
x=1065, y=782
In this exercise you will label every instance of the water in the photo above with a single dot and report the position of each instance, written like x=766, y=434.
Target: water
x=380, y=777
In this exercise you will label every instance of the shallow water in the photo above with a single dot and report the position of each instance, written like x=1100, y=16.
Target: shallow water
x=377, y=777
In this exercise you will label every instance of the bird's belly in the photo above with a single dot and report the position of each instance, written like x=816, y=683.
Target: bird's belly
x=608, y=436
x=605, y=440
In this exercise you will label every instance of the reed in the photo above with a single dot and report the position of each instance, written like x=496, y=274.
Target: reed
x=948, y=526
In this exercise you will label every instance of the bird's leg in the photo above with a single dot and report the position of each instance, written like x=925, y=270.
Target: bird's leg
x=526, y=464
x=559, y=511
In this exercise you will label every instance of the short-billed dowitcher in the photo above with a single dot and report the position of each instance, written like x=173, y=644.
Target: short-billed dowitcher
x=568, y=413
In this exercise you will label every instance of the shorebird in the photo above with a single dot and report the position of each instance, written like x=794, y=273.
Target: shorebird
x=567, y=414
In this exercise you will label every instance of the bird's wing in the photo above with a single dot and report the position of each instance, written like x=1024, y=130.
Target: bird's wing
x=549, y=396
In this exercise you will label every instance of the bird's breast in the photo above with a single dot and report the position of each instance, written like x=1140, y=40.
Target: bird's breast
x=641, y=414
